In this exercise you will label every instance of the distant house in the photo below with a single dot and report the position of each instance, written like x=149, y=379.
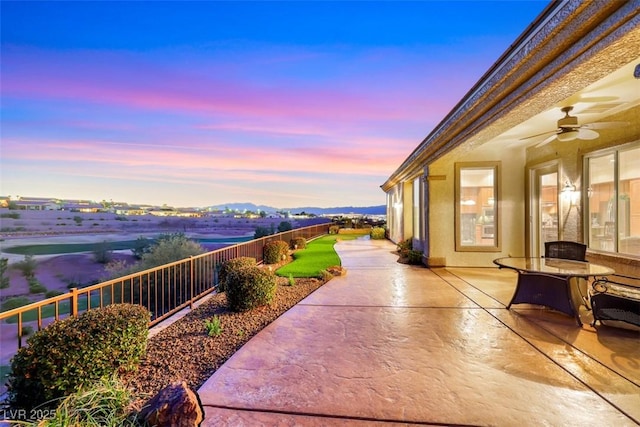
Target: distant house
x=189, y=212
x=37, y=204
x=545, y=146
x=163, y=211
x=123, y=209
x=86, y=206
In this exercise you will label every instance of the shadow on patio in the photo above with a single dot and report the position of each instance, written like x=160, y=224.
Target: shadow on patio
x=389, y=344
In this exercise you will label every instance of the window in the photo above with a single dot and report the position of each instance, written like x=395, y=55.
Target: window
x=477, y=213
x=613, y=200
x=416, y=209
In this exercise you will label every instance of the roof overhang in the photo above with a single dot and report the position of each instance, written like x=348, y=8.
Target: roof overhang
x=570, y=46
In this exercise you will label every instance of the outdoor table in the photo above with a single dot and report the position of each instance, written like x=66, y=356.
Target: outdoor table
x=547, y=281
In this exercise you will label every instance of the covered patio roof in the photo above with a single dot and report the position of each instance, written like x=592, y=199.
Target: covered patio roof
x=579, y=54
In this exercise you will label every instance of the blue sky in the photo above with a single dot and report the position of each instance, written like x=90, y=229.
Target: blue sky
x=286, y=104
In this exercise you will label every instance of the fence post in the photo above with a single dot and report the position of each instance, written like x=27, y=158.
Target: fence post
x=192, y=282
x=74, y=302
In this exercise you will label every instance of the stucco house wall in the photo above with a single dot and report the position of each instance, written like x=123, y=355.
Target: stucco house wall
x=442, y=209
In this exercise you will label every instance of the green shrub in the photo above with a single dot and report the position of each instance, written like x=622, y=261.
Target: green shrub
x=12, y=215
x=261, y=232
x=73, y=352
x=377, y=233
x=27, y=266
x=213, y=326
x=230, y=265
x=275, y=251
x=36, y=287
x=250, y=287
x=325, y=275
x=298, y=243
x=169, y=248
x=405, y=245
x=78, y=219
x=414, y=257
x=4, y=279
x=284, y=226
x=106, y=403
x=141, y=246
x=102, y=253
x=53, y=293
x=27, y=330
x=15, y=302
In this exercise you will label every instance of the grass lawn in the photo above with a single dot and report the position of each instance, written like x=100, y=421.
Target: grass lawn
x=317, y=256
x=64, y=307
x=65, y=248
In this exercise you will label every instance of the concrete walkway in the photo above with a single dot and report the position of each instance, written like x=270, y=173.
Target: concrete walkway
x=390, y=344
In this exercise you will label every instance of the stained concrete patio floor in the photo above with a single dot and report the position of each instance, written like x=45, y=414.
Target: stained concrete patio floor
x=391, y=344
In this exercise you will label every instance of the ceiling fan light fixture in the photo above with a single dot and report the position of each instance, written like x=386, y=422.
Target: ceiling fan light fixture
x=568, y=135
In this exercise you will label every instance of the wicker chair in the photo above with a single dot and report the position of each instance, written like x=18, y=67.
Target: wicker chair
x=573, y=251
x=614, y=301
x=565, y=250
x=547, y=290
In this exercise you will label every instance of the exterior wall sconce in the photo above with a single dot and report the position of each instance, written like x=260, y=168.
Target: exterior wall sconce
x=569, y=192
x=568, y=188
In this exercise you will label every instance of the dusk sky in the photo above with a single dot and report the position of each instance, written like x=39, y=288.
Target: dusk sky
x=287, y=104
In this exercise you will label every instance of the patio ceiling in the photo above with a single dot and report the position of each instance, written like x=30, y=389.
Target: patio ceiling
x=579, y=54
x=615, y=98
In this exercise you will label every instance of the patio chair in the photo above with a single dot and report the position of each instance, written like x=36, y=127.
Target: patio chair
x=546, y=290
x=575, y=251
x=566, y=250
x=614, y=302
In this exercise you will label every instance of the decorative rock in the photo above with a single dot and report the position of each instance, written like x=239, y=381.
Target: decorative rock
x=175, y=405
x=337, y=270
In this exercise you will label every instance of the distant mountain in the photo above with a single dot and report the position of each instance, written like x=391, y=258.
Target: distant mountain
x=366, y=210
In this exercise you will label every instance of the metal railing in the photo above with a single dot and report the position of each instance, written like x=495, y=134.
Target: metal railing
x=163, y=290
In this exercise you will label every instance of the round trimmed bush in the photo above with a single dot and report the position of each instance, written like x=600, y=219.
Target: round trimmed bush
x=73, y=352
x=250, y=287
x=230, y=265
x=298, y=243
x=377, y=233
x=275, y=251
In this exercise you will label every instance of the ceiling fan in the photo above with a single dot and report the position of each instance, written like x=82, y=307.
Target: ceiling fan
x=569, y=129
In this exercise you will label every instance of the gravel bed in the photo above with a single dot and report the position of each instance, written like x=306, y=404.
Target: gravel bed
x=184, y=350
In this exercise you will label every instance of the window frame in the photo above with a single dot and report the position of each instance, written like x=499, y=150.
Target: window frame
x=615, y=151
x=495, y=166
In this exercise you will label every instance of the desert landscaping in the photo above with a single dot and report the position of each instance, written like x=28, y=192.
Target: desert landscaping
x=59, y=272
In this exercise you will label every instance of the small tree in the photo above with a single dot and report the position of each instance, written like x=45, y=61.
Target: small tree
x=27, y=266
x=169, y=248
x=261, y=232
x=140, y=247
x=102, y=252
x=284, y=226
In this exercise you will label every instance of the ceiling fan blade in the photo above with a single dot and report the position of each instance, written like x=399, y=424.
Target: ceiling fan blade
x=546, y=141
x=604, y=125
x=587, y=134
x=540, y=134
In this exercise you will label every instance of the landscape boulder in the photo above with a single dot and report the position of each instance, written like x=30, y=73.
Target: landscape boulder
x=176, y=405
x=337, y=270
